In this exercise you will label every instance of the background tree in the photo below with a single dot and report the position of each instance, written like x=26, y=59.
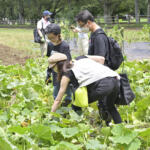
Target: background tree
x=137, y=13
x=148, y=11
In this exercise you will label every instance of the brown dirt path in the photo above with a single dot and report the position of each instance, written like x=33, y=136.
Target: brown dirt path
x=10, y=56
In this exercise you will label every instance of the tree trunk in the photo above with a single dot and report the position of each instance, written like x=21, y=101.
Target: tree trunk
x=148, y=12
x=107, y=12
x=21, y=12
x=137, y=17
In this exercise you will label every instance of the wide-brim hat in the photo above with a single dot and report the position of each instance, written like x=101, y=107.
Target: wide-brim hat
x=56, y=57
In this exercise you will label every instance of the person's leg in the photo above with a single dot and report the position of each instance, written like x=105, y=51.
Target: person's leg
x=105, y=90
x=110, y=103
x=80, y=46
x=43, y=47
x=68, y=97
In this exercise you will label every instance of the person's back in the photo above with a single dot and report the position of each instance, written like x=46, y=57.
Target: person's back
x=87, y=74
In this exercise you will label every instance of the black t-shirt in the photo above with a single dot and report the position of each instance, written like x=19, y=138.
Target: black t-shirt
x=63, y=47
x=98, y=44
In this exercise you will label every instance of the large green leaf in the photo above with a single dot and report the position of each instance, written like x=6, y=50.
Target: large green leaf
x=18, y=129
x=145, y=134
x=4, y=143
x=94, y=145
x=123, y=135
x=66, y=146
x=42, y=132
x=134, y=145
x=69, y=132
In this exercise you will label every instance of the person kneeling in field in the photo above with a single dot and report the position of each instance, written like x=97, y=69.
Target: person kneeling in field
x=101, y=82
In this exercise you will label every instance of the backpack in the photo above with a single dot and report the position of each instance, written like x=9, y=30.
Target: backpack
x=115, y=56
x=37, y=38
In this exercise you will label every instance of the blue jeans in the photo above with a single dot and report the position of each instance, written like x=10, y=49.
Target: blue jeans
x=68, y=92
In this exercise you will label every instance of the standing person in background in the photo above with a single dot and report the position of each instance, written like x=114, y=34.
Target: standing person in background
x=56, y=44
x=98, y=45
x=41, y=25
x=83, y=42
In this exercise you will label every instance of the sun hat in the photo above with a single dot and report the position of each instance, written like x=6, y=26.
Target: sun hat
x=46, y=13
x=56, y=57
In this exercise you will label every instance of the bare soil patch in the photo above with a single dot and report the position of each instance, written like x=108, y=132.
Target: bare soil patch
x=10, y=56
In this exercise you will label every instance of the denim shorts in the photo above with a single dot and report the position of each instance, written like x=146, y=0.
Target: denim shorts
x=68, y=92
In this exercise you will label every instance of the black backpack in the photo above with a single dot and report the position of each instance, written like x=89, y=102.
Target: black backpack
x=115, y=56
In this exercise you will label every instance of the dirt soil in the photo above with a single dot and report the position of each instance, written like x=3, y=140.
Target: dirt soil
x=10, y=56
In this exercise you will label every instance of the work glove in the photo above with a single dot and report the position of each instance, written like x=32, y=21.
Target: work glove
x=48, y=76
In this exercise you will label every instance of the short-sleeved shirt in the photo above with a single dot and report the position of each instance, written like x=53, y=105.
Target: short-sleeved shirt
x=63, y=47
x=42, y=24
x=98, y=44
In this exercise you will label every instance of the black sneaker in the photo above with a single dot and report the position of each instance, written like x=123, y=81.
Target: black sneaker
x=105, y=115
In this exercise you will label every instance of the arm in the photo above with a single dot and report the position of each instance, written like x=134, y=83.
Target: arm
x=39, y=27
x=99, y=59
x=40, y=33
x=63, y=86
x=49, y=49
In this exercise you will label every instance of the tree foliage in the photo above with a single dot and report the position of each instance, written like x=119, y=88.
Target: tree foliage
x=32, y=9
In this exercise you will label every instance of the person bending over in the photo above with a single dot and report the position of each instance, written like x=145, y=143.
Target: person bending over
x=102, y=83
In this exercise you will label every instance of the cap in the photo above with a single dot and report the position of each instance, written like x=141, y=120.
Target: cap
x=46, y=13
x=56, y=57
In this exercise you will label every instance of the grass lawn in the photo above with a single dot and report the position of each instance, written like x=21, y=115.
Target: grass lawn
x=20, y=39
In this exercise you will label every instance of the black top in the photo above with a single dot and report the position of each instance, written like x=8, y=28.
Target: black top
x=98, y=44
x=73, y=80
x=63, y=47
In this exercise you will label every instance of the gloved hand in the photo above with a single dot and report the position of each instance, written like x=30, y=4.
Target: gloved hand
x=48, y=76
x=48, y=80
x=42, y=39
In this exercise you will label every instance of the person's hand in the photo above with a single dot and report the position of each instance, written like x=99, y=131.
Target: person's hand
x=48, y=80
x=42, y=39
x=72, y=27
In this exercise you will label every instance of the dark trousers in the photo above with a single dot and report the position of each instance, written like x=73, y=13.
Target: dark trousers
x=105, y=91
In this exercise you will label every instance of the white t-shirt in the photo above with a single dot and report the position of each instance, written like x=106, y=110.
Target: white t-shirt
x=45, y=23
x=88, y=71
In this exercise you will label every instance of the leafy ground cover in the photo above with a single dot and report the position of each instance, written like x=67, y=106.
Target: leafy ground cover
x=26, y=123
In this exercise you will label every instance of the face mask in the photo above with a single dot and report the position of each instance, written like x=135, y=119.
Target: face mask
x=48, y=19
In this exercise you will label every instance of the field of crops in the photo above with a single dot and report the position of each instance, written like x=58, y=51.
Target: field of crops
x=26, y=123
